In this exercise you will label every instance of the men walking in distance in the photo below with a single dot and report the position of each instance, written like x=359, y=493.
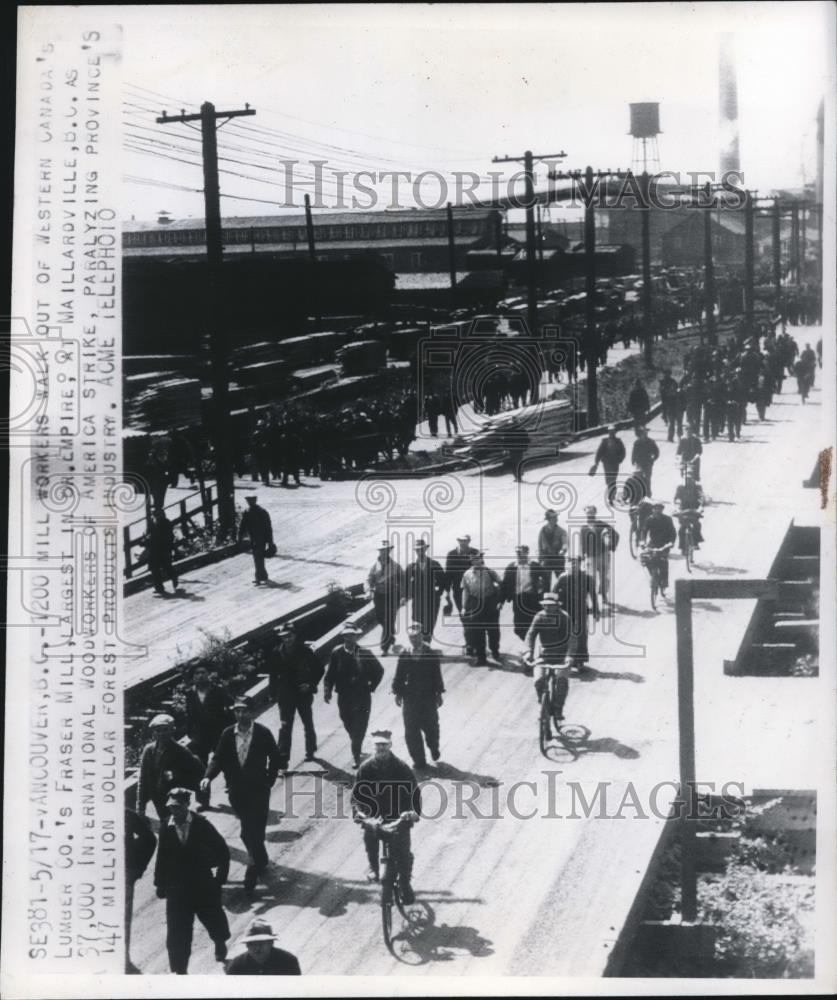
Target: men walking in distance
x=189, y=849
x=418, y=688
x=385, y=790
x=294, y=672
x=638, y=403
x=385, y=585
x=249, y=758
x=481, y=599
x=524, y=583
x=424, y=584
x=576, y=593
x=160, y=549
x=552, y=547
x=550, y=633
x=209, y=710
x=164, y=765
x=255, y=522
x=644, y=454
x=354, y=673
x=610, y=455
x=262, y=957
x=457, y=563
x=598, y=544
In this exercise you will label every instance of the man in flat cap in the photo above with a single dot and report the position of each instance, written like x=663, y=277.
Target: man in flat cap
x=249, y=758
x=418, y=688
x=524, y=583
x=552, y=546
x=457, y=563
x=659, y=533
x=165, y=764
x=189, y=849
x=385, y=790
x=262, y=957
x=548, y=643
x=294, y=671
x=598, y=544
x=255, y=522
x=425, y=581
x=354, y=673
x=481, y=599
x=385, y=585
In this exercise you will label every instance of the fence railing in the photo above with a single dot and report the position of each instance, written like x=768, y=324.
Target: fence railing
x=195, y=510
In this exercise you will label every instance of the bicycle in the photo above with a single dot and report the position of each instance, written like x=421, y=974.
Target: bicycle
x=548, y=715
x=637, y=522
x=686, y=541
x=691, y=465
x=653, y=559
x=391, y=893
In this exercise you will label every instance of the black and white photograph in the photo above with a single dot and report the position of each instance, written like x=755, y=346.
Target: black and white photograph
x=422, y=526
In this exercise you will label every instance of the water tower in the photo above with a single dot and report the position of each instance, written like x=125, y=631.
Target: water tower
x=645, y=127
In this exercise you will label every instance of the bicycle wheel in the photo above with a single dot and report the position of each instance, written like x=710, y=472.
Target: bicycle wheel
x=688, y=550
x=654, y=588
x=387, y=892
x=633, y=541
x=545, y=723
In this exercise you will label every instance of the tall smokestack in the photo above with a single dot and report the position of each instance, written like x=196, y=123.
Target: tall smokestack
x=728, y=104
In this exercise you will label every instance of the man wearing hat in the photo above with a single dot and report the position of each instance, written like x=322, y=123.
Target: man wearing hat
x=249, y=758
x=189, y=849
x=550, y=631
x=644, y=454
x=424, y=582
x=354, y=673
x=552, y=545
x=384, y=790
x=576, y=593
x=524, y=582
x=294, y=671
x=262, y=957
x=610, y=455
x=209, y=710
x=164, y=764
x=481, y=600
x=418, y=688
x=659, y=533
x=457, y=563
x=598, y=543
x=255, y=522
x=385, y=585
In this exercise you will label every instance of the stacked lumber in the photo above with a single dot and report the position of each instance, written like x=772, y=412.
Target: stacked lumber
x=162, y=403
x=362, y=357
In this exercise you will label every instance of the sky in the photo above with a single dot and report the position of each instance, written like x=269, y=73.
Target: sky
x=447, y=87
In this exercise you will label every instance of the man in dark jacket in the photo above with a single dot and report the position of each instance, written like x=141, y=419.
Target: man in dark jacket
x=386, y=789
x=160, y=548
x=644, y=454
x=353, y=673
x=598, y=544
x=418, y=688
x=638, y=402
x=689, y=451
x=457, y=563
x=548, y=640
x=209, y=710
x=424, y=583
x=610, y=455
x=190, y=847
x=294, y=671
x=524, y=583
x=164, y=765
x=262, y=957
x=576, y=593
x=659, y=533
x=255, y=522
x=249, y=758
x=140, y=844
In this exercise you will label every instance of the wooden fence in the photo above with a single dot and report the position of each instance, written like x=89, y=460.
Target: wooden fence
x=199, y=506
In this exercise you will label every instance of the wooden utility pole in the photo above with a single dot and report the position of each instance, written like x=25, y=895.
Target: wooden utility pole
x=749, y=266
x=208, y=117
x=451, y=247
x=591, y=332
x=531, y=241
x=777, y=258
x=647, y=300
x=709, y=269
x=309, y=230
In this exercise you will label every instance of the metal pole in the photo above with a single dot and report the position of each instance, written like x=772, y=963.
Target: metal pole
x=686, y=716
x=591, y=351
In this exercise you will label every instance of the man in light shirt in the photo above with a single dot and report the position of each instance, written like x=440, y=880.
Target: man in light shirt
x=385, y=585
x=481, y=600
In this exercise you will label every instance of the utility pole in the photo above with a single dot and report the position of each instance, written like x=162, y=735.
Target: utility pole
x=208, y=117
x=709, y=269
x=777, y=258
x=498, y=233
x=647, y=300
x=795, y=242
x=591, y=332
x=749, y=268
x=451, y=247
x=528, y=159
x=309, y=230
x=540, y=238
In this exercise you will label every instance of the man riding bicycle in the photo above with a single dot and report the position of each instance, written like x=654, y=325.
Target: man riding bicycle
x=660, y=534
x=637, y=497
x=551, y=625
x=689, y=500
x=385, y=790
